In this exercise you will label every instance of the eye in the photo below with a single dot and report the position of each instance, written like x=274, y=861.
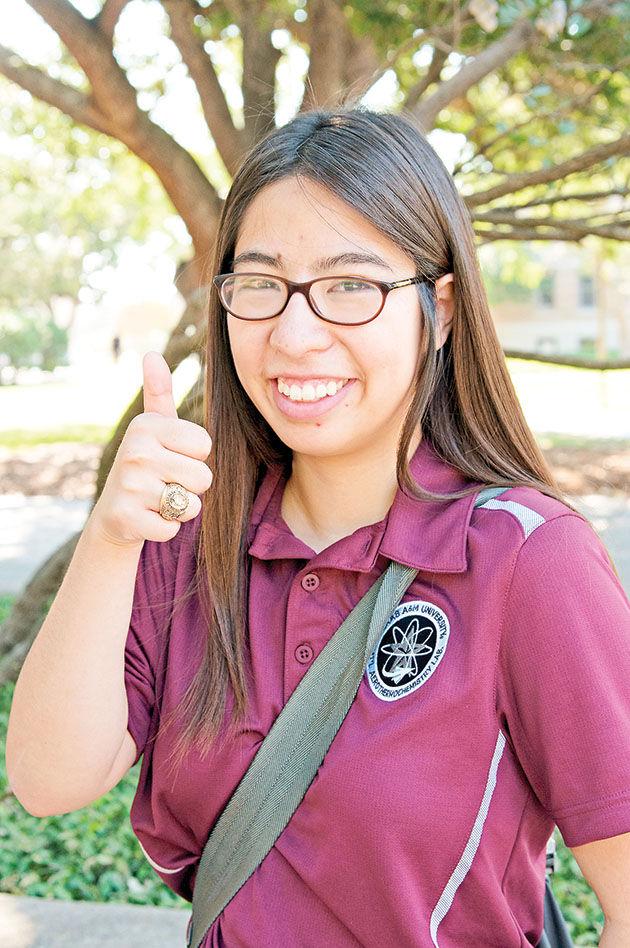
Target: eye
x=258, y=283
x=349, y=286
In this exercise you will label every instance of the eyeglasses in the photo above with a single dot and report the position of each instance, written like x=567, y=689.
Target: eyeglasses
x=344, y=300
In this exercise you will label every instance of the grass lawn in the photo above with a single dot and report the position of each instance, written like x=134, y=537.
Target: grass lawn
x=25, y=438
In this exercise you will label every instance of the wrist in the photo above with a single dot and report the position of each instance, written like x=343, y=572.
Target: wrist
x=97, y=535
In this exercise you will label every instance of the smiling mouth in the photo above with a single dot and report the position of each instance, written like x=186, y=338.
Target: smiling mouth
x=310, y=391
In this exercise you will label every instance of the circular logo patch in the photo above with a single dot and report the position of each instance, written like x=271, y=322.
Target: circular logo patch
x=409, y=650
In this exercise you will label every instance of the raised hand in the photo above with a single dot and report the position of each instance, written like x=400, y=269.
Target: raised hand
x=157, y=448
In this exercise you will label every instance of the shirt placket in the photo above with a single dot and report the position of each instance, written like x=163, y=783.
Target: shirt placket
x=303, y=607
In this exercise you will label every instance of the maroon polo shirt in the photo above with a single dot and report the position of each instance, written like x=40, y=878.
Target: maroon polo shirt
x=496, y=704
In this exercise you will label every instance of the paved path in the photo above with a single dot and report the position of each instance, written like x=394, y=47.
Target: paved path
x=33, y=527
x=52, y=923
x=610, y=515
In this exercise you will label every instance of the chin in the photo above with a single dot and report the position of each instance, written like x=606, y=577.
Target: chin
x=321, y=444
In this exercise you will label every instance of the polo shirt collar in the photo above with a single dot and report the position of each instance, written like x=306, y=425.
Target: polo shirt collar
x=428, y=536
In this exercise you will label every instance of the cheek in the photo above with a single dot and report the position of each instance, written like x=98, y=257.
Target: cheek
x=245, y=352
x=396, y=353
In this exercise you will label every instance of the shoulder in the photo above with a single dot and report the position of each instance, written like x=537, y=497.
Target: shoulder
x=519, y=512
x=538, y=538
x=549, y=551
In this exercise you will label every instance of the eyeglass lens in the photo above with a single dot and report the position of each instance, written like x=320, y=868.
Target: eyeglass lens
x=341, y=299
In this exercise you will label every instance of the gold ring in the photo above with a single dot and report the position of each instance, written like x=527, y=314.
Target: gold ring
x=174, y=501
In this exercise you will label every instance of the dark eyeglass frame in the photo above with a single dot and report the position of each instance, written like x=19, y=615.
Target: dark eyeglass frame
x=305, y=289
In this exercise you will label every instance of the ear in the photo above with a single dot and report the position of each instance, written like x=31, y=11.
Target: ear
x=444, y=289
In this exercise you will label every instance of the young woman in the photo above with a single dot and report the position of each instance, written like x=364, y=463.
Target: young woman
x=357, y=400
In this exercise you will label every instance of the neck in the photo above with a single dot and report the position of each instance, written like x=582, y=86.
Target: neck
x=329, y=498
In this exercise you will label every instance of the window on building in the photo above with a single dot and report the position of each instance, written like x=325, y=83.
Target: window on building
x=546, y=290
x=546, y=345
x=587, y=347
x=587, y=290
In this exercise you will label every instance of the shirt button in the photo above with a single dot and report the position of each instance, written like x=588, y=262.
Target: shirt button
x=310, y=582
x=304, y=653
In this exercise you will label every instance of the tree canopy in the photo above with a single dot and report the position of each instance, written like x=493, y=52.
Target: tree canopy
x=537, y=92
x=70, y=198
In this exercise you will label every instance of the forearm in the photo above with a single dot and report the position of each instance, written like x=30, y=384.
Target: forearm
x=616, y=934
x=69, y=711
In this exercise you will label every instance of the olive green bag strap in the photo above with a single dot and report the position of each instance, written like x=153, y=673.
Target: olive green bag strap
x=292, y=752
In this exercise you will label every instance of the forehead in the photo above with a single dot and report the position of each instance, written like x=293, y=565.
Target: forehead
x=303, y=222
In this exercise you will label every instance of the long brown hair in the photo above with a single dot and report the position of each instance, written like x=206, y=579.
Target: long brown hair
x=382, y=165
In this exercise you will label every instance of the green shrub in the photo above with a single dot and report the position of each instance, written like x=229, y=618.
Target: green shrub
x=90, y=854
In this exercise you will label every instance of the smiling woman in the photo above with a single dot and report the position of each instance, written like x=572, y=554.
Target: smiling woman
x=388, y=657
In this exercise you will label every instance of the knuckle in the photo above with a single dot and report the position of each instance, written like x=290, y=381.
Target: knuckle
x=138, y=423
x=128, y=480
x=193, y=507
x=202, y=442
x=206, y=478
x=139, y=450
x=197, y=506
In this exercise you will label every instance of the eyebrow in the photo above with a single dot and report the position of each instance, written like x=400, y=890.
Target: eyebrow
x=323, y=263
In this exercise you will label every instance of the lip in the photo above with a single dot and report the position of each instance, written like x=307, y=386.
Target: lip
x=306, y=410
x=300, y=379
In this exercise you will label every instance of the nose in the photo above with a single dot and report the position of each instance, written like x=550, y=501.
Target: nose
x=298, y=329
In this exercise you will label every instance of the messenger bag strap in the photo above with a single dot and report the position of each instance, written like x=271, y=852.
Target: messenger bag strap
x=292, y=752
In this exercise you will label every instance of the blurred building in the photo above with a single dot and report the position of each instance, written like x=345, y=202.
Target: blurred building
x=138, y=326
x=581, y=307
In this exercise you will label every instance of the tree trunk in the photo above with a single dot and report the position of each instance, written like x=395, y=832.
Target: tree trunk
x=29, y=610
x=19, y=629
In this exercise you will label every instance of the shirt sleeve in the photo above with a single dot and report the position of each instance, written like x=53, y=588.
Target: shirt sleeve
x=152, y=601
x=563, y=679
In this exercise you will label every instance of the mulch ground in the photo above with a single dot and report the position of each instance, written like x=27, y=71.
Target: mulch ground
x=62, y=469
x=68, y=470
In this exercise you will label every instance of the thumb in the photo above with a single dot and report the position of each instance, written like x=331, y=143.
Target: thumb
x=157, y=385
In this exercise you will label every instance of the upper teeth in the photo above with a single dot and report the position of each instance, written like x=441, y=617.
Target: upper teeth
x=310, y=391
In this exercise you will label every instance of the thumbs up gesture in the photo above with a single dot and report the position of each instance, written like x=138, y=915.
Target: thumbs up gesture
x=157, y=448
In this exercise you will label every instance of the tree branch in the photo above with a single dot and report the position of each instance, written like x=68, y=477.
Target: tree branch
x=549, y=115
x=516, y=39
x=327, y=44
x=191, y=193
x=105, y=21
x=229, y=140
x=381, y=66
x=518, y=233
x=61, y=96
x=567, y=64
x=576, y=228
x=526, y=179
x=111, y=90
x=361, y=65
x=260, y=58
x=574, y=361
x=554, y=199
x=500, y=216
x=432, y=75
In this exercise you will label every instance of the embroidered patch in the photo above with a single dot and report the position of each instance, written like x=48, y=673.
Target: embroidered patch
x=409, y=650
